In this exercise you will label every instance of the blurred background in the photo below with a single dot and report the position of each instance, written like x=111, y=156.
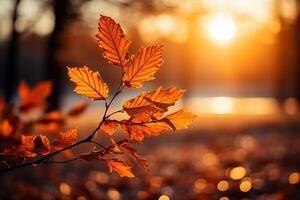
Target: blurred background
x=238, y=60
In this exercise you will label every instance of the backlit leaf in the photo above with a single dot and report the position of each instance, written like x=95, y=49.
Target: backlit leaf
x=179, y=119
x=156, y=101
x=88, y=83
x=112, y=41
x=139, y=131
x=143, y=66
x=109, y=127
x=120, y=167
x=65, y=139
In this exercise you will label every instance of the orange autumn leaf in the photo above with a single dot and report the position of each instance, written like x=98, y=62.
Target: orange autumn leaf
x=88, y=83
x=139, y=131
x=34, y=98
x=77, y=109
x=2, y=105
x=156, y=101
x=179, y=119
x=134, y=155
x=26, y=147
x=51, y=122
x=6, y=129
x=115, y=147
x=52, y=127
x=120, y=167
x=65, y=139
x=30, y=147
x=145, y=111
x=53, y=116
x=109, y=127
x=143, y=66
x=113, y=42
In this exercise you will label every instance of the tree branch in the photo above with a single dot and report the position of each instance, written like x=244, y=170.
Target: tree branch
x=44, y=159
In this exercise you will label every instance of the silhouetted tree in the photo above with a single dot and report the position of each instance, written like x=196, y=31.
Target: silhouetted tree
x=53, y=66
x=12, y=55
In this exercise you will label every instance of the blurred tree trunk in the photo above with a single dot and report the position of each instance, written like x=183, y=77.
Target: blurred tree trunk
x=297, y=67
x=12, y=55
x=284, y=61
x=55, y=43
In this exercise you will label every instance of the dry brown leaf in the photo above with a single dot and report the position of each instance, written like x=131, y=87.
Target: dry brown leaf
x=120, y=167
x=179, y=119
x=143, y=66
x=112, y=41
x=65, y=139
x=149, y=103
x=88, y=83
x=97, y=155
x=77, y=109
x=41, y=145
x=109, y=127
x=34, y=98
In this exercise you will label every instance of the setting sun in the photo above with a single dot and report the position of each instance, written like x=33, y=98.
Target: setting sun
x=222, y=28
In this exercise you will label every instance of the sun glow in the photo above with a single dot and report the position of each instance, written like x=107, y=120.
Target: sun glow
x=222, y=28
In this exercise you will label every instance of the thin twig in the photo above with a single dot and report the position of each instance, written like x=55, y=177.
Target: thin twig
x=64, y=161
x=134, y=123
x=118, y=111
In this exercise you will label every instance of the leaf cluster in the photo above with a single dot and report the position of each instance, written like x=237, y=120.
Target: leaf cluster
x=146, y=113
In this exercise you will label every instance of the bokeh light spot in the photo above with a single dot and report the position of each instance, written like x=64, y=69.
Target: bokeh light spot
x=245, y=186
x=113, y=194
x=294, y=178
x=65, y=189
x=223, y=198
x=237, y=173
x=163, y=197
x=223, y=186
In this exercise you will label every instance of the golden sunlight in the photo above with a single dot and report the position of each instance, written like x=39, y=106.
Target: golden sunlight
x=222, y=105
x=222, y=28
